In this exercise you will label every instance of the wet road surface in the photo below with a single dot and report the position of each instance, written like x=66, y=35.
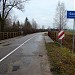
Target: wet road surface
x=28, y=59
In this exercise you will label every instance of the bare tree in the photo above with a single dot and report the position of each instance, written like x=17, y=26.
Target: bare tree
x=0, y=22
x=34, y=24
x=14, y=18
x=27, y=27
x=7, y=6
x=43, y=27
x=60, y=17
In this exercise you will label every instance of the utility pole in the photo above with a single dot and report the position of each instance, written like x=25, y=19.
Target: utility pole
x=71, y=15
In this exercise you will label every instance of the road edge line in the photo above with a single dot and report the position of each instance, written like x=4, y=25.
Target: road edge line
x=15, y=49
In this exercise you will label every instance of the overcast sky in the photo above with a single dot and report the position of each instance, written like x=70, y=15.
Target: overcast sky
x=43, y=11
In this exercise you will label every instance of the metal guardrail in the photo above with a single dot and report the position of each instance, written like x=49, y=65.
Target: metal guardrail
x=6, y=35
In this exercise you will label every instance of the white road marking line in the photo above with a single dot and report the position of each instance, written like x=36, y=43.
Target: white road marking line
x=15, y=49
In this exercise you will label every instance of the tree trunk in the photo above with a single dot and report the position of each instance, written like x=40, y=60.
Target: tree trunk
x=3, y=19
x=2, y=25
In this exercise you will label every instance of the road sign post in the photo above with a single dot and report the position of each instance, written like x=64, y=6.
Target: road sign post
x=61, y=35
x=71, y=15
x=73, y=35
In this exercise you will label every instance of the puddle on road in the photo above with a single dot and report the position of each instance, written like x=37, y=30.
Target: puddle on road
x=6, y=44
x=2, y=42
x=15, y=68
x=40, y=55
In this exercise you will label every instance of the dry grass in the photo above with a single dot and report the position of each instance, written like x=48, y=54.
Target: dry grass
x=68, y=39
x=61, y=59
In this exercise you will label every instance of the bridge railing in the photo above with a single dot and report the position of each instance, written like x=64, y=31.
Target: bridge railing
x=6, y=35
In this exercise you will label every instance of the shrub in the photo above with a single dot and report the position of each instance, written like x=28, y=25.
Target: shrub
x=62, y=60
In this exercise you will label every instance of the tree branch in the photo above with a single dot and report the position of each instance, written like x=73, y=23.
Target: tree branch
x=15, y=4
x=8, y=12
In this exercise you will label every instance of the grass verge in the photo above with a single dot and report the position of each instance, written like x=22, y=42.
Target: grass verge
x=61, y=59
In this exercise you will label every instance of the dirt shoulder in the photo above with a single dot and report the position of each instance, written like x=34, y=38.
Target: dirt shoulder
x=45, y=66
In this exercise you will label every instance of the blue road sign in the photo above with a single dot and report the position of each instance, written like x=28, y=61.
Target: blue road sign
x=71, y=14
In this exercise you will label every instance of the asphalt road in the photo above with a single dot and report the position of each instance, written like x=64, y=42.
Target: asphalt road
x=22, y=55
